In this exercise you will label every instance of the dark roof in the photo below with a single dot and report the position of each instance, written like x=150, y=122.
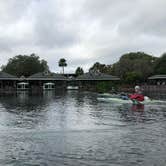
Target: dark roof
x=97, y=76
x=46, y=76
x=163, y=76
x=6, y=76
x=68, y=75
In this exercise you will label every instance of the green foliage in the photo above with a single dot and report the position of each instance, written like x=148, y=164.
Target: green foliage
x=133, y=77
x=102, y=68
x=105, y=86
x=79, y=71
x=24, y=65
x=160, y=65
x=132, y=65
x=62, y=63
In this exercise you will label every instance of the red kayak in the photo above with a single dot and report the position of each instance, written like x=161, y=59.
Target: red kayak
x=138, y=97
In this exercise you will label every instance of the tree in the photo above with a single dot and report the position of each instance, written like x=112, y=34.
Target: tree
x=160, y=65
x=25, y=65
x=134, y=65
x=62, y=63
x=79, y=71
x=133, y=77
x=102, y=68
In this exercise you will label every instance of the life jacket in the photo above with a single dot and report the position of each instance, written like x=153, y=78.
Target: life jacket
x=138, y=97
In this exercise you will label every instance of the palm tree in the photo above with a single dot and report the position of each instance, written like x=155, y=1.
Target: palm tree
x=79, y=71
x=62, y=63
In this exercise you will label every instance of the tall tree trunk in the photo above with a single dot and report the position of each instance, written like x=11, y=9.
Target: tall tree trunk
x=63, y=69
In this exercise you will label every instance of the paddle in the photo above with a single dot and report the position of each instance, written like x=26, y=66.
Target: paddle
x=135, y=101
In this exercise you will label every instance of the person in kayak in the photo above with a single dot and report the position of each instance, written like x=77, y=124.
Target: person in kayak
x=137, y=95
x=138, y=90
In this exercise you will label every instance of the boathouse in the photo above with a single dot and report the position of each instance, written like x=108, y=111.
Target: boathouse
x=46, y=81
x=92, y=79
x=156, y=86
x=8, y=82
x=50, y=81
x=157, y=79
x=22, y=86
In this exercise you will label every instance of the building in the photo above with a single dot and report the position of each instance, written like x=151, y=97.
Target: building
x=92, y=79
x=46, y=81
x=50, y=81
x=8, y=82
x=157, y=80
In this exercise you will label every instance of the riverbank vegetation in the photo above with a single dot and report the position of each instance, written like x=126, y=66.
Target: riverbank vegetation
x=132, y=68
x=25, y=65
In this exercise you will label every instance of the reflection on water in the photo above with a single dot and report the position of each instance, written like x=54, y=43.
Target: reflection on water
x=73, y=128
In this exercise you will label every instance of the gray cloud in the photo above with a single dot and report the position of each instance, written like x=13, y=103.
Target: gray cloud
x=52, y=28
x=12, y=10
x=82, y=31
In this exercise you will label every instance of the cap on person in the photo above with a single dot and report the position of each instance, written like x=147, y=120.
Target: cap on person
x=137, y=87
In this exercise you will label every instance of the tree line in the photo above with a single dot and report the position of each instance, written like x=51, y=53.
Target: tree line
x=131, y=67
x=134, y=67
x=26, y=65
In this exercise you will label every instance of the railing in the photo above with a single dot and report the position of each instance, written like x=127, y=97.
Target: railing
x=154, y=88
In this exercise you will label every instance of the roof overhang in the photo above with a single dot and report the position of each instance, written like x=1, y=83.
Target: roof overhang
x=45, y=79
x=14, y=79
x=49, y=83
x=95, y=79
x=23, y=83
x=155, y=77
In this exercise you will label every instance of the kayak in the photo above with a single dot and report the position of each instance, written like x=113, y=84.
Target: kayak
x=111, y=99
x=121, y=101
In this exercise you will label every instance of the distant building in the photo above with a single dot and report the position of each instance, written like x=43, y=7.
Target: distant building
x=7, y=81
x=70, y=75
x=157, y=79
x=91, y=79
x=36, y=82
x=50, y=81
x=47, y=81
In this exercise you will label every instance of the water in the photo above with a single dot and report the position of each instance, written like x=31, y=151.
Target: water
x=75, y=129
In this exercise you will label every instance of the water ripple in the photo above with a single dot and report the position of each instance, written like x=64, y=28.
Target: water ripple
x=74, y=128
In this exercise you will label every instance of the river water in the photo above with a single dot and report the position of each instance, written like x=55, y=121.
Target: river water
x=75, y=129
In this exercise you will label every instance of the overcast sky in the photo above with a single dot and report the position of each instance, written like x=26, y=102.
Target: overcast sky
x=81, y=31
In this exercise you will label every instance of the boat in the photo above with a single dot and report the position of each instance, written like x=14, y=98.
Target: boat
x=72, y=87
x=48, y=86
x=121, y=101
x=22, y=86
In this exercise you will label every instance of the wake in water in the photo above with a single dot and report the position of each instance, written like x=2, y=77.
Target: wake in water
x=118, y=98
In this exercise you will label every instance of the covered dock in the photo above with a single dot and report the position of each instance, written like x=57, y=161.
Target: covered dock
x=47, y=80
x=92, y=79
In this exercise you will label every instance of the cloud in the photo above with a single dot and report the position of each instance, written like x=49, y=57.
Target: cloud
x=11, y=11
x=82, y=31
x=53, y=26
